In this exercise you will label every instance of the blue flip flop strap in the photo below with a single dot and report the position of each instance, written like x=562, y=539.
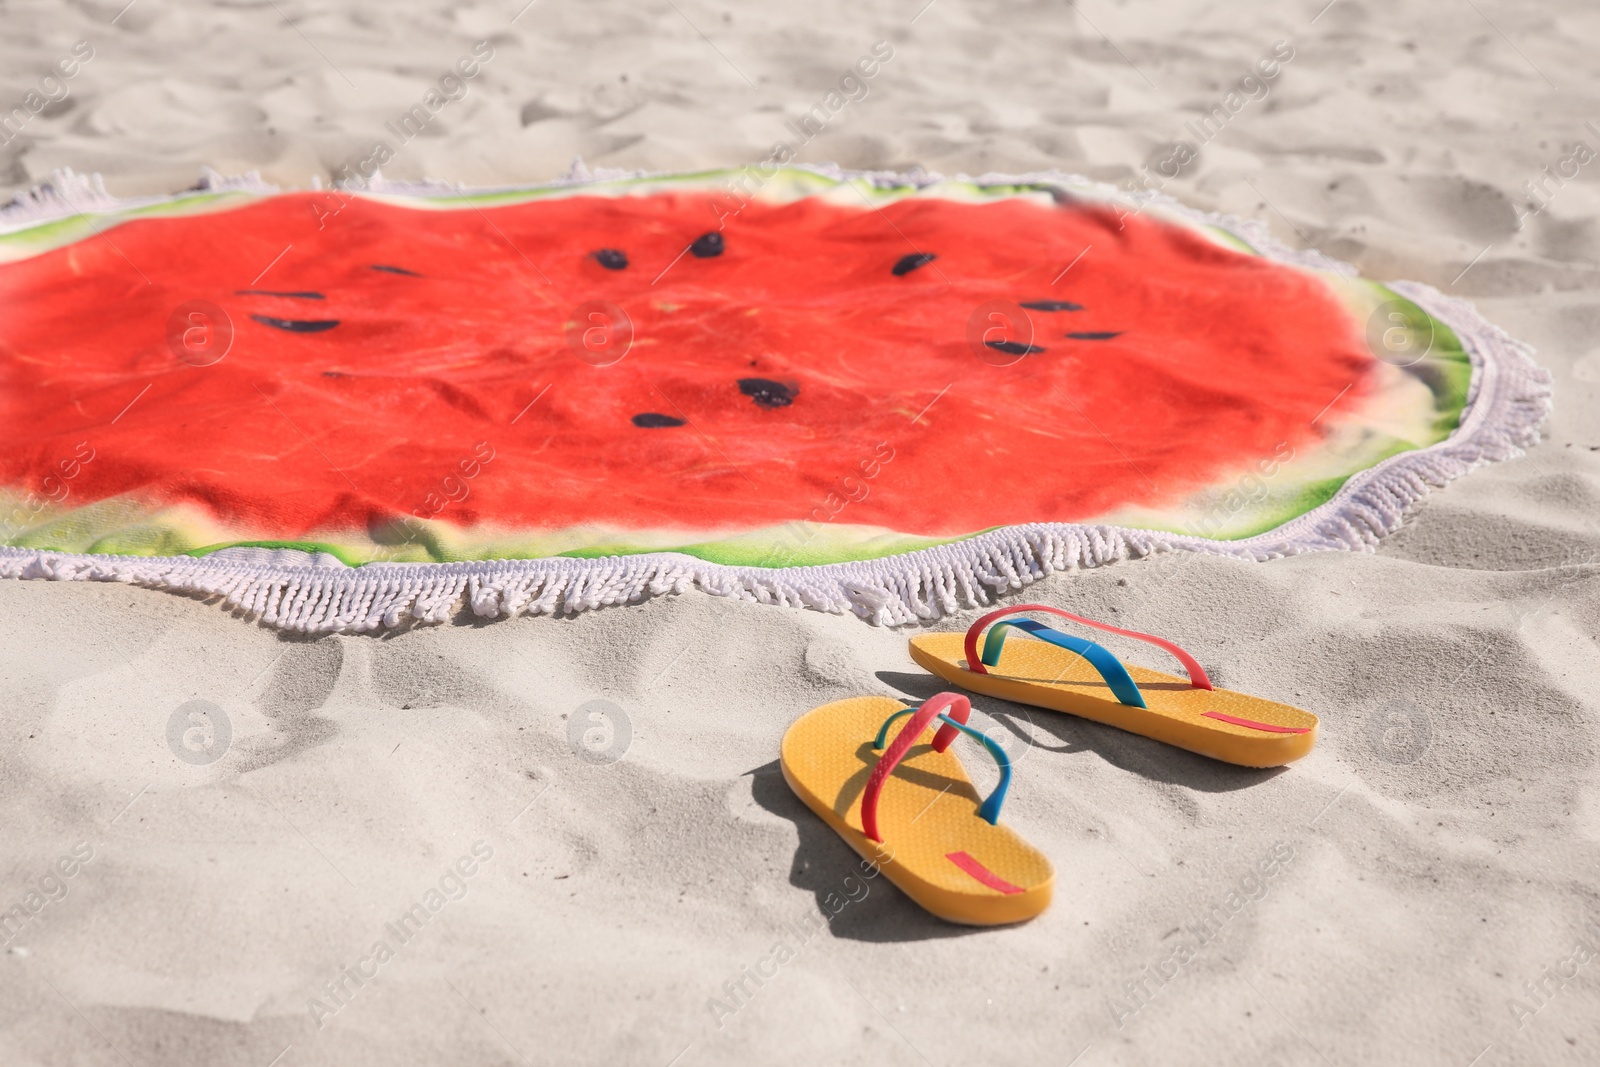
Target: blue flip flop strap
x=989, y=810
x=1116, y=676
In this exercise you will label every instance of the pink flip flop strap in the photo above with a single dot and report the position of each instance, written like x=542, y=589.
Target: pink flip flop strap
x=1197, y=673
x=1265, y=727
x=981, y=873
x=959, y=708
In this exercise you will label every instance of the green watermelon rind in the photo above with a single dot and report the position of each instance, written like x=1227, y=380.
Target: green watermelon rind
x=73, y=228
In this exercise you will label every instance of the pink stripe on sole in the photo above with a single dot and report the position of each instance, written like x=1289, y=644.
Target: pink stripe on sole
x=982, y=873
x=1252, y=724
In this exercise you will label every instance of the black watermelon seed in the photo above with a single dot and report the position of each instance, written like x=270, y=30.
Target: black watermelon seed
x=396, y=270
x=1051, y=305
x=274, y=292
x=707, y=245
x=1095, y=335
x=649, y=420
x=1013, y=348
x=297, y=325
x=766, y=392
x=907, y=264
x=611, y=258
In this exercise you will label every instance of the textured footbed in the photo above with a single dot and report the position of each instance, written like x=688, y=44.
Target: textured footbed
x=1044, y=675
x=927, y=811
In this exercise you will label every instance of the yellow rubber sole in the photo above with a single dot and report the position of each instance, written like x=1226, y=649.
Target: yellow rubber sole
x=935, y=848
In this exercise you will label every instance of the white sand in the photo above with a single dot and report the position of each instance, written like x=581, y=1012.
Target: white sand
x=1431, y=873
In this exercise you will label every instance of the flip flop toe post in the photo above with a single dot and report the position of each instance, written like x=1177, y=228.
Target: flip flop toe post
x=904, y=802
x=1063, y=672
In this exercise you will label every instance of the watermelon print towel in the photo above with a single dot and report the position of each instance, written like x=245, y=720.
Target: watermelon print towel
x=891, y=394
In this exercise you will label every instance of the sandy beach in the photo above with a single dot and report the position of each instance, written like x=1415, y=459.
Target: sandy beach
x=567, y=840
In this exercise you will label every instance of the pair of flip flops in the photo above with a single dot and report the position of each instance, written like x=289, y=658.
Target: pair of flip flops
x=908, y=806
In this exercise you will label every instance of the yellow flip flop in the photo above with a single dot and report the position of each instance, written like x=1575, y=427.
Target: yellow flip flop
x=1066, y=673
x=911, y=810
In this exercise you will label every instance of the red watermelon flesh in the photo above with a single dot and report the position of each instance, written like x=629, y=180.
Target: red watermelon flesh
x=384, y=343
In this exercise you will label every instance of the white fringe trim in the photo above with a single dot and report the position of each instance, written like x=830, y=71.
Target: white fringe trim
x=313, y=593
